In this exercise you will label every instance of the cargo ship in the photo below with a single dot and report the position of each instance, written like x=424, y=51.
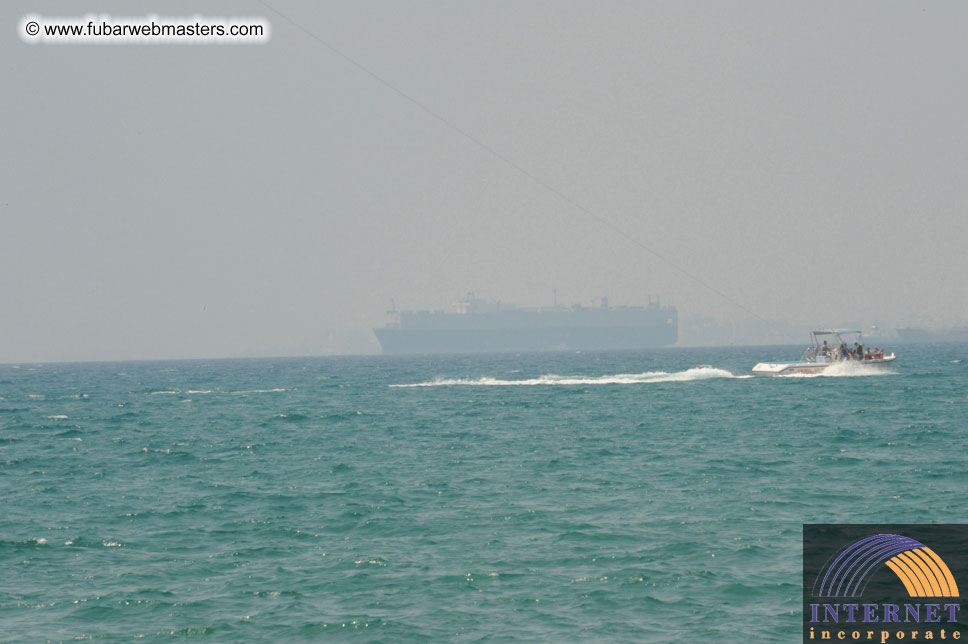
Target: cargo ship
x=482, y=326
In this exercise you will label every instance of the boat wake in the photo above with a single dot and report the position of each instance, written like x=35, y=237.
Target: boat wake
x=845, y=369
x=649, y=377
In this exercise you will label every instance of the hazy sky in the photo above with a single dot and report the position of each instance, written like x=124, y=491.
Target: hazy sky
x=806, y=159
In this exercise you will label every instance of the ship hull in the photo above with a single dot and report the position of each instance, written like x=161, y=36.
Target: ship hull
x=515, y=340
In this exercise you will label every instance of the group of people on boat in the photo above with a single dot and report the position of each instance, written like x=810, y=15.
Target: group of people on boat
x=843, y=352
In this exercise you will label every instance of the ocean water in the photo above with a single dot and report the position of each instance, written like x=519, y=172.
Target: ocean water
x=581, y=497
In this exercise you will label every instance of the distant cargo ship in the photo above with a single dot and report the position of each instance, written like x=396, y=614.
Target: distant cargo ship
x=481, y=326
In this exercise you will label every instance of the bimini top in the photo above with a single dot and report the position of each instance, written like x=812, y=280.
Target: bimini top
x=836, y=332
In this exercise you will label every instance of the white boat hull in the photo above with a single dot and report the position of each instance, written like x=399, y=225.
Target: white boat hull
x=804, y=367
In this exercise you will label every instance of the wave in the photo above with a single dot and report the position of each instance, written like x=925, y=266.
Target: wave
x=649, y=377
x=29, y=543
x=845, y=369
x=290, y=418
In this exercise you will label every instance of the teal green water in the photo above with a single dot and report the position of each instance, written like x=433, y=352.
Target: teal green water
x=564, y=497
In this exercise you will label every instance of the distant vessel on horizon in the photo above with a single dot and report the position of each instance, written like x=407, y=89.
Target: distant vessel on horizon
x=481, y=326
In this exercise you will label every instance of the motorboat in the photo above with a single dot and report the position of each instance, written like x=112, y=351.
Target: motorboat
x=830, y=348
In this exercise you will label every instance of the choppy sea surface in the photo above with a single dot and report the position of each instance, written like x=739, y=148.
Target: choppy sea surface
x=616, y=497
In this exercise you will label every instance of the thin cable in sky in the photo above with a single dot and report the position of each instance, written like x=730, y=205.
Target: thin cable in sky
x=624, y=234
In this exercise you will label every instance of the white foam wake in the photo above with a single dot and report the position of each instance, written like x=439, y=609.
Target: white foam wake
x=649, y=377
x=845, y=369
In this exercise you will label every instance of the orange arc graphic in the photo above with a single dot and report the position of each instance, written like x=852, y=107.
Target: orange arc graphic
x=923, y=573
x=902, y=575
x=912, y=576
x=928, y=562
x=930, y=585
x=952, y=586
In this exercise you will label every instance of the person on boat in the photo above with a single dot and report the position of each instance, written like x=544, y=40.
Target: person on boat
x=825, y=350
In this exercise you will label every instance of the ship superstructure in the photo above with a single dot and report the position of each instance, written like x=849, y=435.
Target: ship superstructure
x=481, y=326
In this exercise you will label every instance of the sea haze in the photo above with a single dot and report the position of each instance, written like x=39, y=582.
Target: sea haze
x=647, y=497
